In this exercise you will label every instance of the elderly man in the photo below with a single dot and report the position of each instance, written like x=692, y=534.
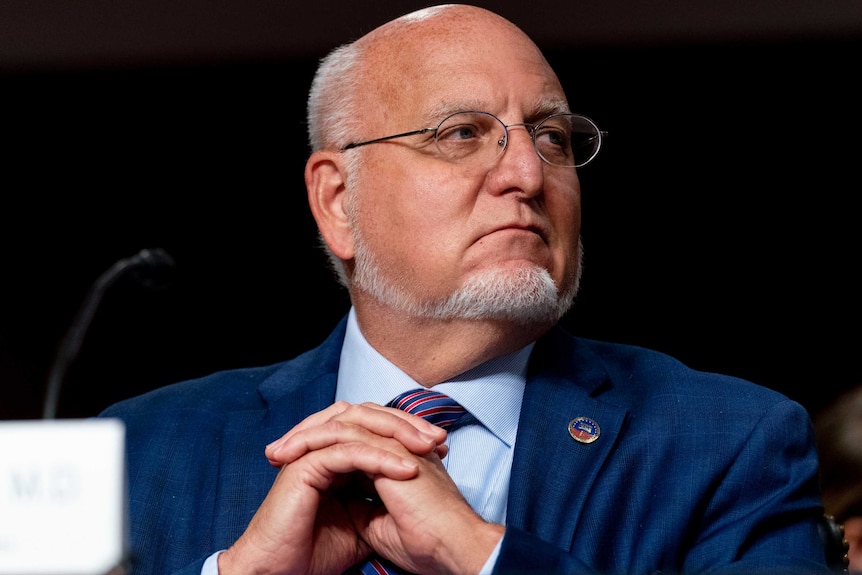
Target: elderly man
x=444, y=181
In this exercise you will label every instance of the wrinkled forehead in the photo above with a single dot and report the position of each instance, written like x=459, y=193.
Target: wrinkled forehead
x=418, y=70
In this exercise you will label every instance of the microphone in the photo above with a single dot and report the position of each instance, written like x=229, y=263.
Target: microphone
x=151, y=268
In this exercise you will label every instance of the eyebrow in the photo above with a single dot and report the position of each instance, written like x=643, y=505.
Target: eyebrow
x=549, y=106
x=540, y=110
x=436, y=114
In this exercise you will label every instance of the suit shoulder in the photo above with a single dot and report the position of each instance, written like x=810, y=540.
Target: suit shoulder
x=222, y=388
x=235, y=389
x=636, y=371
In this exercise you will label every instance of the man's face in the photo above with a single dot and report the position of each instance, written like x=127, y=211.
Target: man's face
x=430, y=226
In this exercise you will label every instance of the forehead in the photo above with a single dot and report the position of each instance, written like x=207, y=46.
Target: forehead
x=423, y=71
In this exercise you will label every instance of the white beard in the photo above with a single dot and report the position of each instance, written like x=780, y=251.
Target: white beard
x=526, y=295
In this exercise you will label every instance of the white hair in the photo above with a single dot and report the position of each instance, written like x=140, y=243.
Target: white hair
x=332, y=118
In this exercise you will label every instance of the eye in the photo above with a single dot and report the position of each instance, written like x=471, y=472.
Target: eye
x=461, y=132
x=553, y=138
x=464, y=126
x=466, y=133
x=553, y=135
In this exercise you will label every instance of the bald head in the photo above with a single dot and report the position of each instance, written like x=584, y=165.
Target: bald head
x=460, y=23
x=360, y=85
x=422, y=42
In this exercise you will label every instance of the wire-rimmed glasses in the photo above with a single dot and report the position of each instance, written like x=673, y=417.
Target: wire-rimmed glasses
x=474, y=137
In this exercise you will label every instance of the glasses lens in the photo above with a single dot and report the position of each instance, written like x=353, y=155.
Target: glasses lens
x=470, y=137
x=567, y=140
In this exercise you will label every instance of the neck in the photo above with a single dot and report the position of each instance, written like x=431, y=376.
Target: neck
x=432, y=351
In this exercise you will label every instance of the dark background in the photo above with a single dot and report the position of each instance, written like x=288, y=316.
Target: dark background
x=720, y=220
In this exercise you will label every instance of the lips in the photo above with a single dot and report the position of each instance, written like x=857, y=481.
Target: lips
x=536, y=229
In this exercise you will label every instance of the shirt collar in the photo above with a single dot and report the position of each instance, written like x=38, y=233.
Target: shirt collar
x=491, y=392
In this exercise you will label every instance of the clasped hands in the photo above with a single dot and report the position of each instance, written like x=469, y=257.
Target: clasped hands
x=356, y=480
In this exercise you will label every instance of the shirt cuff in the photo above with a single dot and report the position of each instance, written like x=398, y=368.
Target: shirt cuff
x=210, y=566
x=488, y=567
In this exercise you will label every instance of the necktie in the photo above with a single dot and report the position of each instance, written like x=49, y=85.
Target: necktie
x=439, y=409
x=430, y=405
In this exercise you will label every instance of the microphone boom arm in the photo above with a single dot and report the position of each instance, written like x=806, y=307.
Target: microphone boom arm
x=70, y=345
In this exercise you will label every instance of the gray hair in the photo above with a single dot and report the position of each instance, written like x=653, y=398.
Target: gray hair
x=332, y=118
x=332, y=106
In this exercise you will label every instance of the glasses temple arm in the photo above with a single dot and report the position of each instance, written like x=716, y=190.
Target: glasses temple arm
x=385, y=138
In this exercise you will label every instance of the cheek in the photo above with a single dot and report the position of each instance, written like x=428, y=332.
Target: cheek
x=562, y=199
x=428, y=204
x=564, y=209
x=414, y=221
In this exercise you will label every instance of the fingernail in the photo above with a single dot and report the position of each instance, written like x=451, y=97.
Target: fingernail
x=427, y=438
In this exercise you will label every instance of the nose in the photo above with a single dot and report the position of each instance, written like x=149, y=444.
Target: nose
x=519, y=165
x=527, y=139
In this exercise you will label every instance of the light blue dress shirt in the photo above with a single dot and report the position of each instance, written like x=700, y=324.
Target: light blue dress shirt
x=480, y=455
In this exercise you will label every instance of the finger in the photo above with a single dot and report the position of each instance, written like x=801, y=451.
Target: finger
x=316, y=418
x=418, y=422
x=335, y=432
x=355, y=413
x=418, y=518
x=342, y=423
x=414, y=432
x=319, y=468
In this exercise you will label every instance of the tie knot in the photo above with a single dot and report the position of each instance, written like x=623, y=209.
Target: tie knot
x=433, y=406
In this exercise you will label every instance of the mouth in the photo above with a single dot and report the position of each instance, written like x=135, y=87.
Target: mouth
x=531, y=228
x=511, y=242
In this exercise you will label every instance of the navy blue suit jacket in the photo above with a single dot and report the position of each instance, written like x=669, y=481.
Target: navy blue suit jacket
x=692, y=473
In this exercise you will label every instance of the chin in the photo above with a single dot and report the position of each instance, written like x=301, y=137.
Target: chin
x=524, y=294
x=516, y=290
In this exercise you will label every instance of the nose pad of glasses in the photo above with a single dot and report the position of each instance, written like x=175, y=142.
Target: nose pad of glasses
x=503, y=142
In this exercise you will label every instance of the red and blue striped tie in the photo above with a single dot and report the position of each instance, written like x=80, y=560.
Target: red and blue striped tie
x=439, y=409
x=430, y=405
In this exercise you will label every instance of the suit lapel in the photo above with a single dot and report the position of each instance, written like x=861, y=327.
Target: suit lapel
x=552, y=473
x=304, y=386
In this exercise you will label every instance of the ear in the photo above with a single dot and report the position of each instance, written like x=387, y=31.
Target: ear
x=327, y=198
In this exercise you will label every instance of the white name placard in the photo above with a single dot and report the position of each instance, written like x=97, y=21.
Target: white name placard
x=62, y=497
